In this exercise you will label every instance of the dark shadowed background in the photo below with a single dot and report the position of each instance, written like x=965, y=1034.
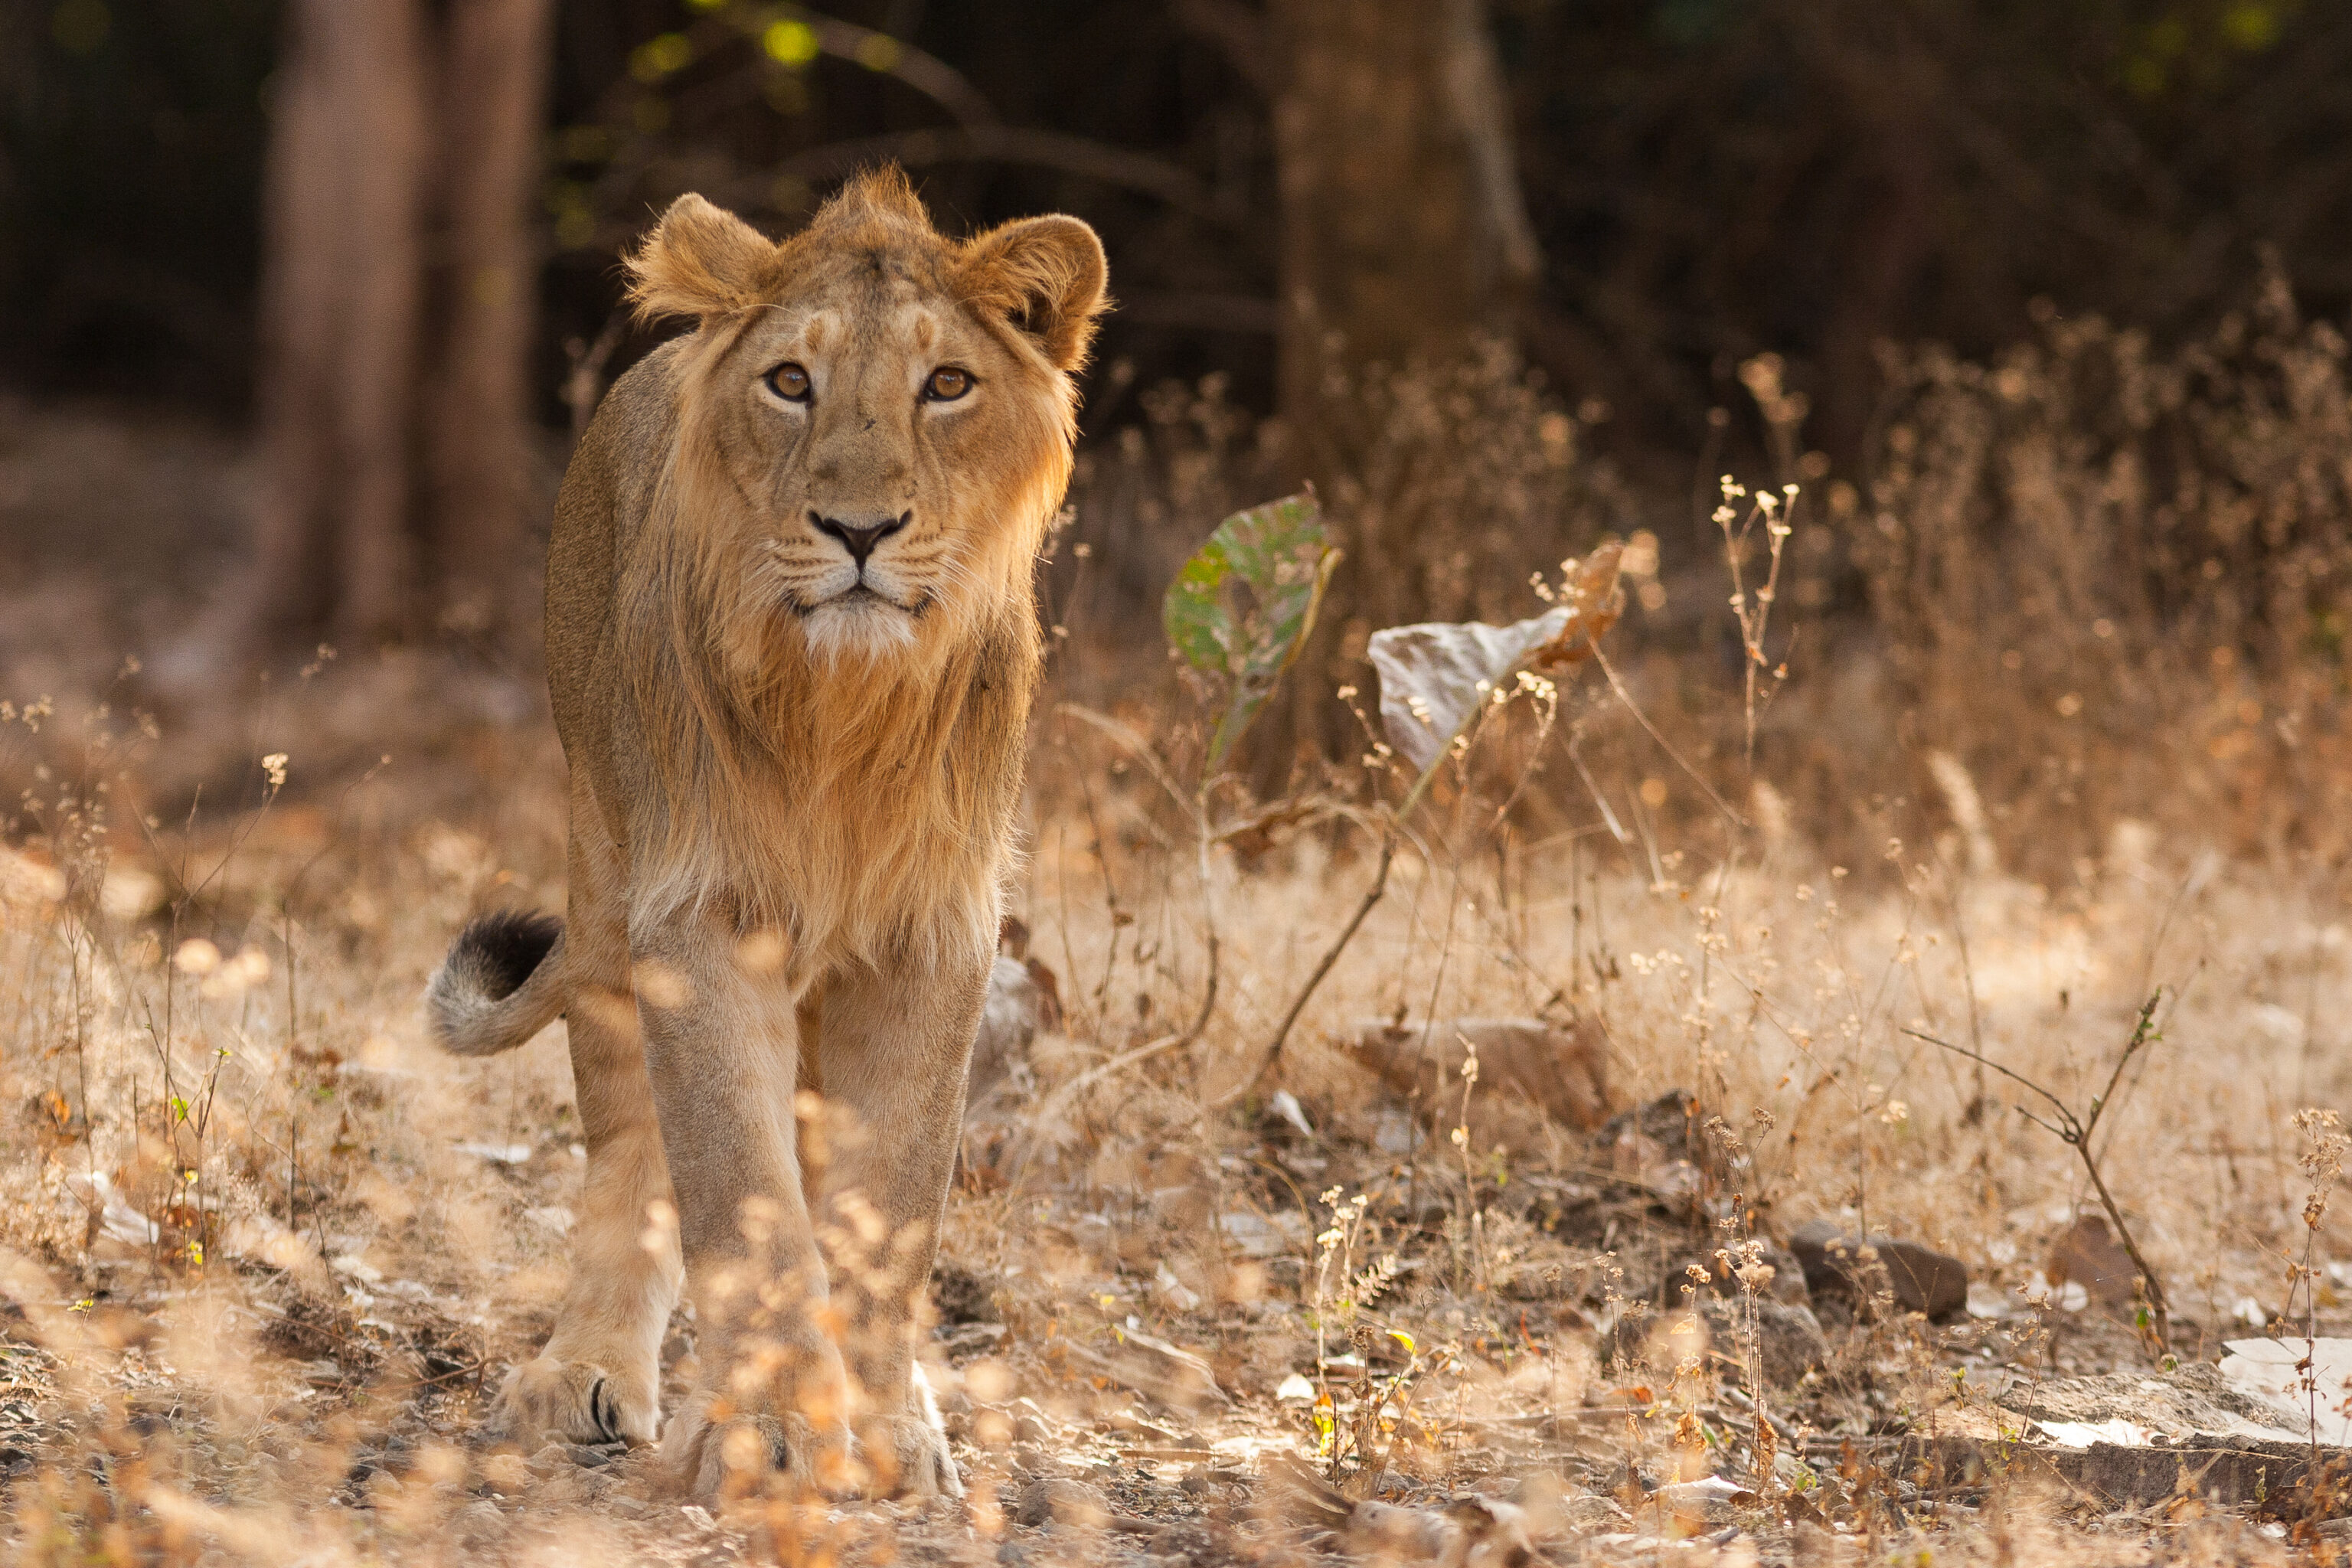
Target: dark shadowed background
x=2033, y=298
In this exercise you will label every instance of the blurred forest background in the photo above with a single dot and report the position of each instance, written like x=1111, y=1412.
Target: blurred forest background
x=1497, y=275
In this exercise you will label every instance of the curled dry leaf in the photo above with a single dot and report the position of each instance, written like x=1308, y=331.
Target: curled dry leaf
x=1435, y=677
x=1562, y=1072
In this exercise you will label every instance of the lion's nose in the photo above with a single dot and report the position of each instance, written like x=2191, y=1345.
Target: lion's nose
x=859, y=539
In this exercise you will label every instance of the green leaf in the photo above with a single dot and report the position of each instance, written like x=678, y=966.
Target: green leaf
x=179, y=1109
x=1281, y=555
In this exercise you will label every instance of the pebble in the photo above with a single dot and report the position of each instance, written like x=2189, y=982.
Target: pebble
x=1919, y=1277
x=1053, y=1499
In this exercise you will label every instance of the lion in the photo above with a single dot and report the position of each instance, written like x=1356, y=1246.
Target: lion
x=792, y=645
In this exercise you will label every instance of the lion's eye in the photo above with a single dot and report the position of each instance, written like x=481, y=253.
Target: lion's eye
x=790, y=382
x=946, y=384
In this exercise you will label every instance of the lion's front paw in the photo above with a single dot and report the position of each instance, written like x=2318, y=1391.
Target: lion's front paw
x=906, y=1456
x=741, y=1455
x=576, y=1402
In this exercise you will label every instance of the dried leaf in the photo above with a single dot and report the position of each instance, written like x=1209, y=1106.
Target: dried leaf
x=1435, y=677
x=1280, y=554
x=1561, y=1071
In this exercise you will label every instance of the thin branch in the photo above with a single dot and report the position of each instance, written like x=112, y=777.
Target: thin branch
x=2139, y=1037
x=1134, y=746
x=1665, y=745
x=926, y=73
x=1265, y=1070
x=2075, y=1130
x=1010, y=144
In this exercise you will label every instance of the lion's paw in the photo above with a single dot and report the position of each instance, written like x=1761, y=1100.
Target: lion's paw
x=576, y=1402
x=906, y=1456
x=716, y=1459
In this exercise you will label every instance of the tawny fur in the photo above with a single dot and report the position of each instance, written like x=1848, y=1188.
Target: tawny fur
x=794, y=777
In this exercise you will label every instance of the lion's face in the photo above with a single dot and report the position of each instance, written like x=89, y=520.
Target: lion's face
x=887, y=413
x=874, y=428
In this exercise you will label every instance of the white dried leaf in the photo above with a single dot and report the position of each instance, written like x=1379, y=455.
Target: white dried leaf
x=1435, y=675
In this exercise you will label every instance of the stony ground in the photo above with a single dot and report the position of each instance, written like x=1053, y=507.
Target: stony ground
x=265, y=1256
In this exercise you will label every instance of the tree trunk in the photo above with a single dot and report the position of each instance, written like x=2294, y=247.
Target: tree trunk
x=1403, y=231
x=342, y=302
x=398, y=303
x=1404, y=243
x=478, y=425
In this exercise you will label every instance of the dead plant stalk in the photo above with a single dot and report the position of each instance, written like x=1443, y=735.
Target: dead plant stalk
x=2076, y=1131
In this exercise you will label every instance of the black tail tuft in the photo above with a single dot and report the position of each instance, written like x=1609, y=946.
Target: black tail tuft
x=505, y=945
x=502, y=982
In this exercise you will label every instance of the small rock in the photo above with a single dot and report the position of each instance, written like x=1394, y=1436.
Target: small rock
x=1786, y=1284
x=1255, y=1236
x=1789, y=1336
x=1562, y=1072
x=962, y=1296
x=1664, y=1125
x=1024, y=998
x=1053, y=1500
x=1180, y=1543
x=1711, y=1500
x=478, y=1519
x=2087, y=1253
x=1920, y=1278
x=507, y=1472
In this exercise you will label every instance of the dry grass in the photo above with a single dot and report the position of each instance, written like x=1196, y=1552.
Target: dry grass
x=266, y=1253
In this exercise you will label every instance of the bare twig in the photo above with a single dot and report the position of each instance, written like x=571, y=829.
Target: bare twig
x=1265, y=1070
x=1665, y=745
x=1096, y=161
x=2075, y=1131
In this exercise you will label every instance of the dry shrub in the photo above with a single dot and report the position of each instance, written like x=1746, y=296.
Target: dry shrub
x=1453, y=482
x=2089, y=555
x=374, y=1230
x=1446, y=485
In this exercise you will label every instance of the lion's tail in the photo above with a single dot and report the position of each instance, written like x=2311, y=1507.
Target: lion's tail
x=501, y=983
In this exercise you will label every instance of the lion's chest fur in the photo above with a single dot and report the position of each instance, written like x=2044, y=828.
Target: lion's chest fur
x=856, y=814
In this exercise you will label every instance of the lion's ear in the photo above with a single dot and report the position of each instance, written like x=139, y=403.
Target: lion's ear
x=1044, y=275
x=698, y=261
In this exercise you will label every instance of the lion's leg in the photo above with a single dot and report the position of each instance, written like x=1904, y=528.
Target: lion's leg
x=599, y=1377
x=721, y=1048
x=894, y=1049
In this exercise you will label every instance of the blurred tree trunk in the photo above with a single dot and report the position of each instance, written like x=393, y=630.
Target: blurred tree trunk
x=1403, y=234
x=341, y=297
x=397, y=302
x=478, y=426
x=1404, y=241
